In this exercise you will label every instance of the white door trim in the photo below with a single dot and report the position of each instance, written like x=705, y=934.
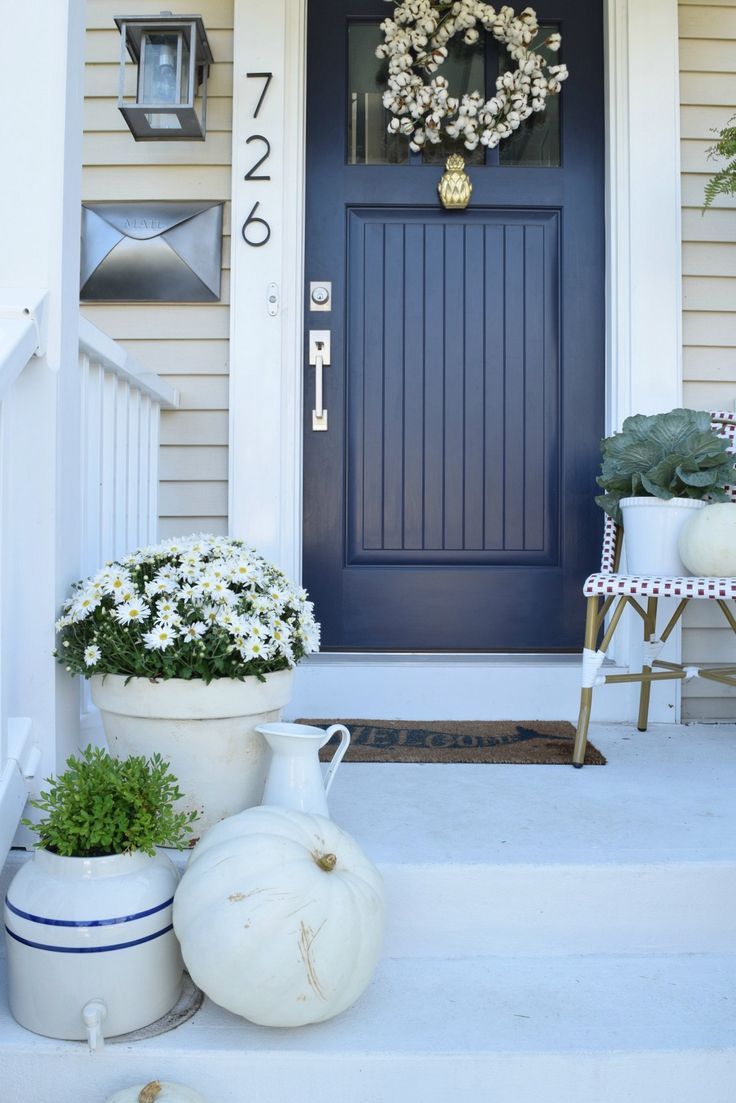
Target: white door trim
x=644, y=346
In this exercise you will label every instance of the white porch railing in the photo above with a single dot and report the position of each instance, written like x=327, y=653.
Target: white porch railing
x=121, y=412
x=121, y=406
x=118, y=472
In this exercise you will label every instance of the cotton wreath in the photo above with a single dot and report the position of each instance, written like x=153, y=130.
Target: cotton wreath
x=415, y=43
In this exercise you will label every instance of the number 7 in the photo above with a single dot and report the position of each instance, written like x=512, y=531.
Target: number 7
x=267, y=77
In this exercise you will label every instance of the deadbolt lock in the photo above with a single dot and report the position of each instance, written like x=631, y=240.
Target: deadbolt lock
x=320, y=295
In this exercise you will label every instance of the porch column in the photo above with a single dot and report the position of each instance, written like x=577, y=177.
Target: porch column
x=644, y=301
x=643, y=139
x=265, y=335
x=40, y=185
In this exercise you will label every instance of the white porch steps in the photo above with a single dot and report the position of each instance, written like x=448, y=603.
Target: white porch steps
x=555, y=935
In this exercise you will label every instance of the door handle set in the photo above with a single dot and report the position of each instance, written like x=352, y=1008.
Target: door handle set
x=319, y=358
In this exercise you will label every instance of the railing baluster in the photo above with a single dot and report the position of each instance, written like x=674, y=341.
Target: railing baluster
x=107, y=470
x=134, y=463
x=122, y=444
x=154, y=419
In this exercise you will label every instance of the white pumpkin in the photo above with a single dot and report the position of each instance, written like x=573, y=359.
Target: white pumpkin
x=156, y=1091
x=280, y=916
x=708, y=541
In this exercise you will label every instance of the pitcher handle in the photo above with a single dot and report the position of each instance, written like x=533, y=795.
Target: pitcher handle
x=338, y=755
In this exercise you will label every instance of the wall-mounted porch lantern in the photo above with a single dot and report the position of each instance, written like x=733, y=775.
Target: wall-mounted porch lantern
x=173, y=57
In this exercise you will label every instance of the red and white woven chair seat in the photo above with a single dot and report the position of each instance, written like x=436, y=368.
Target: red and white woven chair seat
x=656, y=586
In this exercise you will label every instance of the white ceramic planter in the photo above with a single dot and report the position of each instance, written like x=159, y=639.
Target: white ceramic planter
x=652, y=529
x=207, y=732
x=708, y=541
x=92, y=931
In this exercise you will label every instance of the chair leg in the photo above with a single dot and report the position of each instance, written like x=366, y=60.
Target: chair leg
x=586, y=693
x=650, y=630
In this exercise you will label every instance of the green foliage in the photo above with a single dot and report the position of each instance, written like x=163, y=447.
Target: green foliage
x=724, y=181
x=102, y=805
x=672, y=455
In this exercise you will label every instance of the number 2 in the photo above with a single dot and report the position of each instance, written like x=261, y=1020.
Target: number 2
x=251, y=173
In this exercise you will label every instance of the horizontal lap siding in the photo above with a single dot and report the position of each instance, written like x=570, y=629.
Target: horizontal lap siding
x=187, y=343
x=707, y=100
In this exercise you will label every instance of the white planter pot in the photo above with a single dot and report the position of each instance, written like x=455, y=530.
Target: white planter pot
x=708, y=541
x=207, y=732
x=80, y=930
x=651, y=533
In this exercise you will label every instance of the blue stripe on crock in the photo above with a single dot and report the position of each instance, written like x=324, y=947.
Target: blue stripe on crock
x=87, y=949
x=86, y=922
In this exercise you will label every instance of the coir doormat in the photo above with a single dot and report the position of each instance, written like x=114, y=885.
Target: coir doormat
x=539, y=742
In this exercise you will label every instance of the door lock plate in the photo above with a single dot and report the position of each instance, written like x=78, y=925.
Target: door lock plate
x=320, y=295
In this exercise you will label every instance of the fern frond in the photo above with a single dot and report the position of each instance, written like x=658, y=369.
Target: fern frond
x=724, y=181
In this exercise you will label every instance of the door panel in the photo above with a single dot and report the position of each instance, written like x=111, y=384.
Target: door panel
x=452, y=377
x=449, y=505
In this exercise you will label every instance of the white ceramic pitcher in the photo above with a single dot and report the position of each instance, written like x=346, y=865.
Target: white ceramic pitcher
x=294, y=778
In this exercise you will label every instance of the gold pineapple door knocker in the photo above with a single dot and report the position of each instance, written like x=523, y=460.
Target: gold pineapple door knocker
x=455, y=187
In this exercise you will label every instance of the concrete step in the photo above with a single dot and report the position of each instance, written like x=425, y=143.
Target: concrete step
x=645, y=1029
x=553, y=935
x=543, y=911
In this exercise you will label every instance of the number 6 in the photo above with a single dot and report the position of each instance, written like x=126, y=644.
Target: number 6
x=252, y=217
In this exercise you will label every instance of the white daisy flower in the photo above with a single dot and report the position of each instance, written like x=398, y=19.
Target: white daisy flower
x=83, y=605
x=159, y=585
x=278, y=595
x=92, y=655
x=255, y=629
x=173, y=619
x=205, y=586
x=159, y=638
x=131, y=611
x=279, y=631
x=193, y=631
x=253, y=648
x=222, y=592
x=116, y=583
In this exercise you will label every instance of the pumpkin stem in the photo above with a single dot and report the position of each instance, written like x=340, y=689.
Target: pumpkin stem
x=150, y=1093
x=327, y=862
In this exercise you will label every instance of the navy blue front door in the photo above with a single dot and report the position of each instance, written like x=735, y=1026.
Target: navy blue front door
x=448, y=506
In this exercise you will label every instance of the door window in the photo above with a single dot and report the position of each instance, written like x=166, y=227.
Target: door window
x=535, y=144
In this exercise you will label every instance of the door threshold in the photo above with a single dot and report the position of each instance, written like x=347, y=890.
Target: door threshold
x=437, y=686
x=427, y=658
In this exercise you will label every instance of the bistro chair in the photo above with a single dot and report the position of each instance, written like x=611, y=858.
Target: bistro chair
x=609, y=592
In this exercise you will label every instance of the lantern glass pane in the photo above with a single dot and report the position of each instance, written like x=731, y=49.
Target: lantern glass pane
x=161, y=64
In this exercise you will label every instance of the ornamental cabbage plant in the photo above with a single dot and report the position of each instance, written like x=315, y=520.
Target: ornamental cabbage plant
x=672, y=455
x=199, y=607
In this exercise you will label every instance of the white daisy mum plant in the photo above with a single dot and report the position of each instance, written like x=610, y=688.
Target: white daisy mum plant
x=415, y=44
x=200, y=607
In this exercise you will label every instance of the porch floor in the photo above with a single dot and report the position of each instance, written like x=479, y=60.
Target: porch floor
x=554, y=934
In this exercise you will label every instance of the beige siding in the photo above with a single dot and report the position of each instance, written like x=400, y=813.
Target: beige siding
x=186, y=343
x=708, y=100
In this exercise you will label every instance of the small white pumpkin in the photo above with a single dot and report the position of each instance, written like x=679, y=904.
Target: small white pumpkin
x=156, y=1091
x=280, y=916
x=708, y=541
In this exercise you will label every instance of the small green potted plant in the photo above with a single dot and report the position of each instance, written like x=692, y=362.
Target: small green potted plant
x=189, y=645
x=89, y=917
x=654, y=473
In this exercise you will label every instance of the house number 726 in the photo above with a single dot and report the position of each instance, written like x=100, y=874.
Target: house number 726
x=253, y=219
